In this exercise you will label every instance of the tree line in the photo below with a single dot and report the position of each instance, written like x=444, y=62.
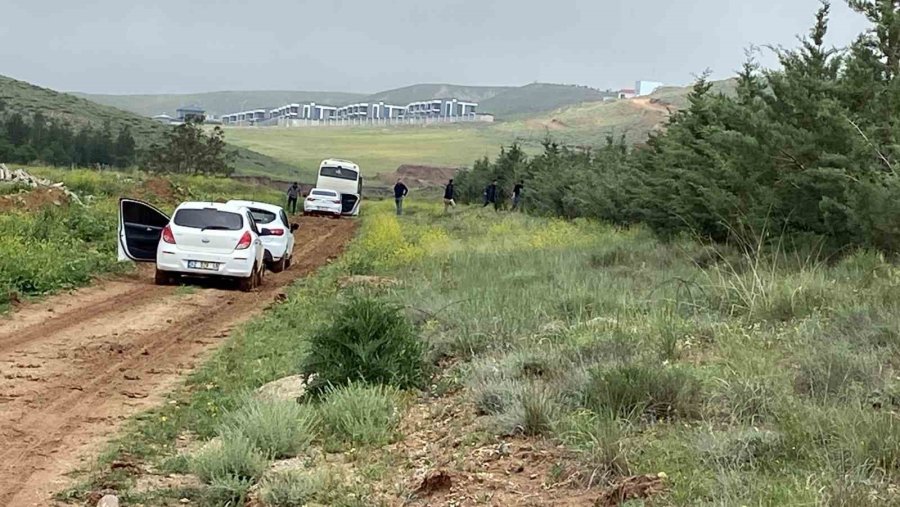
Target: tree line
x=38, y=138
x=184, y=149
x=807, y=150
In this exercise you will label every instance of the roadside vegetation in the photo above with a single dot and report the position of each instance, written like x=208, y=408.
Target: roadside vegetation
x=734, y=377
x=48, y=244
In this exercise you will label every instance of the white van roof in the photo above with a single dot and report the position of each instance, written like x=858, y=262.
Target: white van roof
x=336, y=161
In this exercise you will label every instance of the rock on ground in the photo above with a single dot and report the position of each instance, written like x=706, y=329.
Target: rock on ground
x=108, y=501
x=284, y=389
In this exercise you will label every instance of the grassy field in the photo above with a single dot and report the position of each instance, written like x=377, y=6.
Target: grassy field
x=376, y=150
x=34, y=232
x=725, y=377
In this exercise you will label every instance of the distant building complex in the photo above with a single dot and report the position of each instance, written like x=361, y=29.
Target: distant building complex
x=363, y=112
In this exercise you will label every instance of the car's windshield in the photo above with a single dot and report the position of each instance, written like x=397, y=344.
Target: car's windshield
x=209, y=218
x=262, y=216
x=338, y=172
x=324, y=193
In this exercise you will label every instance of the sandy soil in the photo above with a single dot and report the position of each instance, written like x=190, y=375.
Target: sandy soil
x=75, y=366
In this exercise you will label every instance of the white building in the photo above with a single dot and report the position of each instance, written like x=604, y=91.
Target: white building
x=642, y=88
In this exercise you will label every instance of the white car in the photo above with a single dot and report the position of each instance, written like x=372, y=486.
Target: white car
x=323, y=201
x=202, y=239
x=279, y=242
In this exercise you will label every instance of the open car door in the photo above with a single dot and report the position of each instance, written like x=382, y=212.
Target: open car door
x=140, y=227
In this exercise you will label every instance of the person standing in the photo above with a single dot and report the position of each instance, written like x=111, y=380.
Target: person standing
x=448, y=196
x=517, y=195
x=292, y=194
x=400, y=192
x=490, y=195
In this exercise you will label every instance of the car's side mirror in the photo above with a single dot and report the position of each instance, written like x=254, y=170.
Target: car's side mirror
x=294, y=227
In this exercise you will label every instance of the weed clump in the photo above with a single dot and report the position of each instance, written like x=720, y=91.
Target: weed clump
x=233, y=458
x=369, y=341
x=643, y=391
x=298, y=487
x=278, y=429
x=360, y=414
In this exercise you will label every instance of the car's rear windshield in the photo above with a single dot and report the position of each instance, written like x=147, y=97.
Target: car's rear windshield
x=262, y=216
x=326, y=193
x=209, y=218
x=338, y=172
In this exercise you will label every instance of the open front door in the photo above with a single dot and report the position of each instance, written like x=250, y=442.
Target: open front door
x=140, y=227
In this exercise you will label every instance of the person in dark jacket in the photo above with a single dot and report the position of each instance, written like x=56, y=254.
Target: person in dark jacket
x=448, y=196
x=517, y=195
x=400, y=192
x=490, y=195
x=292, y=194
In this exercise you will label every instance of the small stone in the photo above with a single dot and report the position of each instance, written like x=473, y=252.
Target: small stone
x=108, y=501
x=184, y=500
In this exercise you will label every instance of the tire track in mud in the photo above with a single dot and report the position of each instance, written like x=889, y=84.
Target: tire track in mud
x=68, y=381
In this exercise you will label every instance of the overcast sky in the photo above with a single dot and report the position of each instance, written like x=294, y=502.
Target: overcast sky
x=172, y=46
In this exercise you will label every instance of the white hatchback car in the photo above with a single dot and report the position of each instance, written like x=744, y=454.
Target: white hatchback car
x=322, y=201
x=201, y=239
x=279, y=242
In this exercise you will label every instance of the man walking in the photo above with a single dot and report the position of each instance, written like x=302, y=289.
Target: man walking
x=490, y=195
x=400, y=192
x=292, y=194
x=448, y=196
x=517, y=195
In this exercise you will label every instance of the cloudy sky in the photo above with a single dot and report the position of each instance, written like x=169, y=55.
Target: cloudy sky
x=171, y=46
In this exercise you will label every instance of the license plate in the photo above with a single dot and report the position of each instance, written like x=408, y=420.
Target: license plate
x=210, y=266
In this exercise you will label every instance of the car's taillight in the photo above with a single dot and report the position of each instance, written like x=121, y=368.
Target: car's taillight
x=167, y=235
x=276, y=232
x=245, y=241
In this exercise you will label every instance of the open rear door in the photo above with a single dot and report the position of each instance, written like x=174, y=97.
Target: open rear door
x=140, y=227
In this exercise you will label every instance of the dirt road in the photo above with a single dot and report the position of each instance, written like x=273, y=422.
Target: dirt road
x=75, y=366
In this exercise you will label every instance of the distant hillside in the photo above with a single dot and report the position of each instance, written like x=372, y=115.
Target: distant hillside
x=25, y=98
x=502, y=101
x=218, y=103
x=590, y=123
x=537, y=98
x=407, y=94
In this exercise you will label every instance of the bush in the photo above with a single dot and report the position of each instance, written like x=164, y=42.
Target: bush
x=633, y=391
x=278, y=429
x=360, y=414
x=599, y=441
x=534, y=411
x=231, y=457
x=322, y=486
x=369, y=341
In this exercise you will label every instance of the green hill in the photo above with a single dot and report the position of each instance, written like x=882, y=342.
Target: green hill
x=407, y=94
x=218, y=103
x=25, y=98
x=537, y=98
x=502, y=101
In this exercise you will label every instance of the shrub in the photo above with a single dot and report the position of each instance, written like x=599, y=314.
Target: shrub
x=632, y=391
x=278, y=429
x=748, y=400
x=227, y=490
x=369, y=341
x=534, y=411
x=360, y=414
x=231, y=457
x=322, y=486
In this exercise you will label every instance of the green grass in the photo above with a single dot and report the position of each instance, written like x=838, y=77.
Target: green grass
x=376, y=150
x=749, y=379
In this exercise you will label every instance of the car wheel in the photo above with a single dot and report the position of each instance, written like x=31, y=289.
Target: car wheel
x=278, y=267
x=249, y=283
x=163, y=278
